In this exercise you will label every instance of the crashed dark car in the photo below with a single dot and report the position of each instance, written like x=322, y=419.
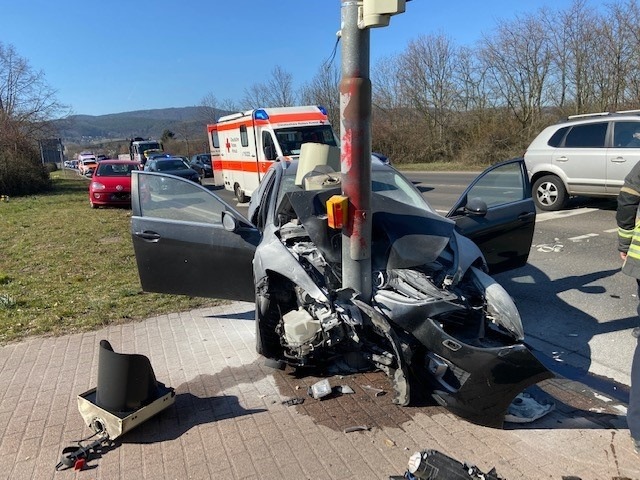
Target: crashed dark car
x=436, y=321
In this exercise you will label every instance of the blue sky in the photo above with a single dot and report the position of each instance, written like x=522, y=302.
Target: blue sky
x=122, y=55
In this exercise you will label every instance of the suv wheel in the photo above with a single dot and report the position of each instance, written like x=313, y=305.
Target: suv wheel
x=549, y=193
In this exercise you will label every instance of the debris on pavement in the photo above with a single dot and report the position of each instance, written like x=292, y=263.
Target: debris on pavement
x=357, y=428
x=320, y=389
x=345, y=389
x=376, y=391
x=293, y=401
x=526, y=409
x=432, y=464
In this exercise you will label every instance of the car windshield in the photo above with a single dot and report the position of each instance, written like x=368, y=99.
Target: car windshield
x=171, y=164
x=115, y=170
x=292, y=138
x=150, y=146
x=386, y=182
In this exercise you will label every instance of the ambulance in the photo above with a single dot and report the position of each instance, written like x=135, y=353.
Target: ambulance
x=245, y=144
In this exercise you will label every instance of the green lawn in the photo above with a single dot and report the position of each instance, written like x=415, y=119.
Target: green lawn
x=65, y=267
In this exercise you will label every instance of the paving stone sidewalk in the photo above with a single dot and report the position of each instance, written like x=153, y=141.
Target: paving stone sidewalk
x=229, y=422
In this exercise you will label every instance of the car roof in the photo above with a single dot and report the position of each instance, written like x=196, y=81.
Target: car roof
x=290, y=167
x=119, y=162
x=600, y=117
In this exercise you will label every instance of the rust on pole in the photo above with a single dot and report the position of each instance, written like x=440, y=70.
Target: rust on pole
x=355, y=154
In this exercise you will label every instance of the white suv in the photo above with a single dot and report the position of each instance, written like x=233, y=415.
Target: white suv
x=587, y=155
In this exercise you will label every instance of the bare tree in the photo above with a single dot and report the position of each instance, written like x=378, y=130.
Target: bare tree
x=212, y=108
x=427, y=72
x=617, y=56
x=26, y=100
x=518, y=60
x=573, y=43
x=278, y=91
x=632, y=25
x=324, y=89
x=26, y=105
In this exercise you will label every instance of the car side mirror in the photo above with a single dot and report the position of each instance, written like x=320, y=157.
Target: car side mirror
x=269, y=152
x=476, y=207
x=229, y=222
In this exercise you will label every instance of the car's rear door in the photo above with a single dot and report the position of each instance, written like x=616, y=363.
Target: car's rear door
x=623, y=154
x=582, y=158
x=497, y=212
x=182, y=245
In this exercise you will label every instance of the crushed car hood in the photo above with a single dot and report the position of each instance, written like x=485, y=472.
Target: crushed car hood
x=402, y=236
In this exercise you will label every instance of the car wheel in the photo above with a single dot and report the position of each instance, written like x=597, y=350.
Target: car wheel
x=549, y=193
x=267, y=340
x=93, y=205
x=242, y=198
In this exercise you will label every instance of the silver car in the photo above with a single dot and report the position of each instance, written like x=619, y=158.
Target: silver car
x=588, y=155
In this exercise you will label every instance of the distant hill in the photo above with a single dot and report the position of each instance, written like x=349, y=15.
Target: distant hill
x=88, y=129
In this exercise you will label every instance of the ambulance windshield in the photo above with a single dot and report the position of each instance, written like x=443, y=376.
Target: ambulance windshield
x=291, y=138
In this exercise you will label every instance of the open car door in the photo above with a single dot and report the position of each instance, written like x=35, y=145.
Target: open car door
x=188, y=241
x=497, y=212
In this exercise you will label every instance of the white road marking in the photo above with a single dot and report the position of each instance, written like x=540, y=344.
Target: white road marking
x=583, y=237
x=542, y=217
x=611, y=230
x=549, y=248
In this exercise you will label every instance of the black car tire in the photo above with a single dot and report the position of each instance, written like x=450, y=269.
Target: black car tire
x=267, y=340
x=549, y=193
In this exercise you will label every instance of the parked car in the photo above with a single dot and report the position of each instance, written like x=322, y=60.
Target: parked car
x=86, y=155
x=379, y=157
x=101, y=157
x=172, y=166
x=87, y=166
x=435, y=321
x=111, y=183
x=201, y=163
x=586, y=155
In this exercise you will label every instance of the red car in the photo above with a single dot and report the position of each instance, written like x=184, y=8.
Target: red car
x=111, y=183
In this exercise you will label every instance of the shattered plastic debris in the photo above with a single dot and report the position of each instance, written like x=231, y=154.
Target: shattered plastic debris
x=432, y=464
x=293, y=401
x=390, y=443
x=344, y=389
x=320, y=389
x=376, y=391
x=525, y=409
x=357, y=428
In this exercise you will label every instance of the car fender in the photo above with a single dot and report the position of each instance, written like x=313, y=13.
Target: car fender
x=272, y=255
x=547, y=169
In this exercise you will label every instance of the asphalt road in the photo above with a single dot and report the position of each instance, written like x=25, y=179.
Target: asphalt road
x=577, y=308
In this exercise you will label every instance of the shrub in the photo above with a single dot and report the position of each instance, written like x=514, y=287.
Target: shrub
x=21, y=172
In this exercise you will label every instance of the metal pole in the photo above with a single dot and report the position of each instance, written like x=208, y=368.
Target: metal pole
x=355, y=155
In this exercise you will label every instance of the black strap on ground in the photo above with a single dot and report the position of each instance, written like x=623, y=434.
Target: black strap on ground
x=76, y=457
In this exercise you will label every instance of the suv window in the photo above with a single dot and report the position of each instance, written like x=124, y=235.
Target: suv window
x=556, y=138
x=623, y=135
x=587, y=136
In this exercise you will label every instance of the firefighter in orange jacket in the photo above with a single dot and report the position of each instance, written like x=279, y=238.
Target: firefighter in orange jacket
x=628, y=220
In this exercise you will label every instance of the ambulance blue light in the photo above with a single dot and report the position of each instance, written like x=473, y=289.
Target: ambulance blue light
x=322, y=109
x=261, y=115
